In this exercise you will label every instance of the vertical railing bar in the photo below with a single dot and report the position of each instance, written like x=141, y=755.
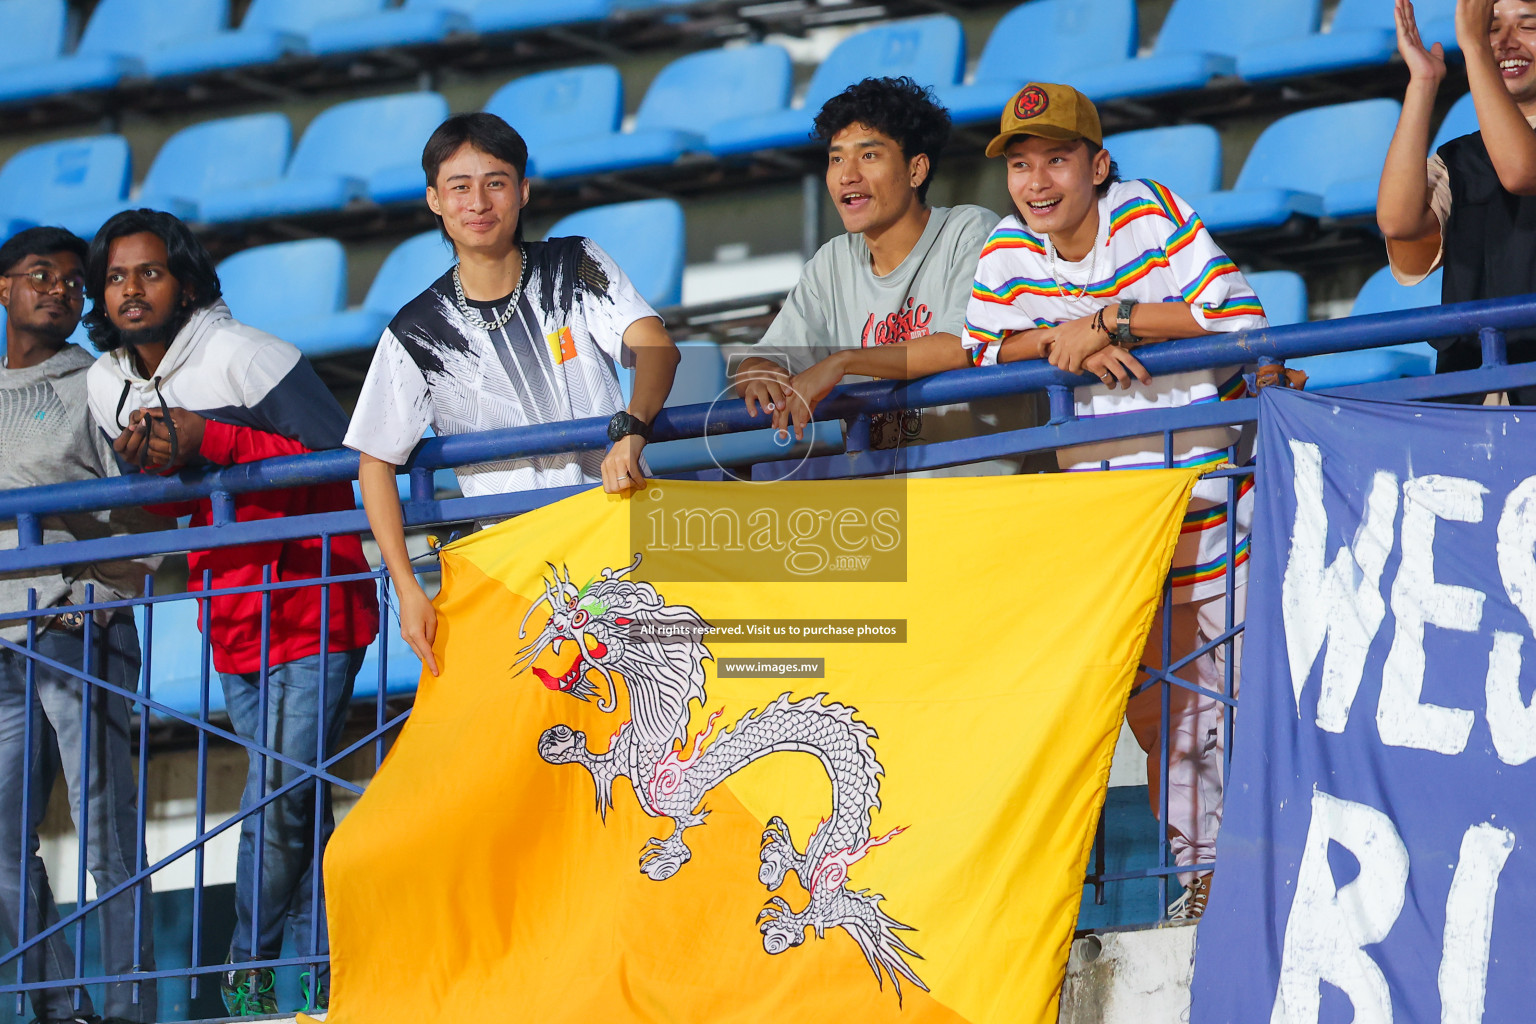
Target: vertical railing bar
x=378, y=698
x=147, y=645
x=28, y=743
x=262, y=697
x=320, y=752
x=205, y=680
x=1164, y=697
x=83, y=823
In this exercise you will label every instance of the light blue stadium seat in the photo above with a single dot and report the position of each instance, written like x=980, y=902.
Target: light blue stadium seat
x=279, y=288
x=1199, y=41
x=490, y=16
x=1042, y=41
x=1326, y=160
x=1362, y=34
x=175, y=649
x=270, y=30
x=930, y=49
x=690, y=96
x=204, y=160
x=1381, y=294
x=118, y=38
x=32, y=33
x=413, y=23
x=340, y=149
x=1186, y=157
x=1460, y=120
x=552, y=108
x=43, y=184
x=645, y=238
x=1437, y=23
x=1283, y=294
x=406, y=272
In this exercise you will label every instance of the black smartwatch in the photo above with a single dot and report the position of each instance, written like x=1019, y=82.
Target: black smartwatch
x=623, y=424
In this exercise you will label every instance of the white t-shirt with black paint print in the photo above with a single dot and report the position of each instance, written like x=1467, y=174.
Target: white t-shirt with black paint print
x=555, y=360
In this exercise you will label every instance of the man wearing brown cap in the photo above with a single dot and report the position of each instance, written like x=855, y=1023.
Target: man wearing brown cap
x=1086, y=269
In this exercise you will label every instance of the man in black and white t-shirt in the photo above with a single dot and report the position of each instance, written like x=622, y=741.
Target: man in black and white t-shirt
x=517, y=333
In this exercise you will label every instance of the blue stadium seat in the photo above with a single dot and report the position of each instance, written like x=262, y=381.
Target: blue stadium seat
x=340, y=149
x=1283, y=294
x=204, y=160
x=1362, y=34
x=271, y=30
x=32, y=33
x=1186, y=157
x=118, y=38
x=1460, y=120
x=1199, y=41
x=490, y=16
x=552, y=108
x=43, y=184
x=407, y=271
x=689, y=96
x=176, y=659
x=645, y=238
x=278, y=288
x=930, y=49
x=1381, y=294
x=1044, y=41
x=413, y=23
x=1326, y=160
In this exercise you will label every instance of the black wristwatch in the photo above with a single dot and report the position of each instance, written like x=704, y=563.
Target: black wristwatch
x=623, y=424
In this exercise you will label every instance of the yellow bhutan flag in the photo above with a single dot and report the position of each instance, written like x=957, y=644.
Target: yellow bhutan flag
x=723, y=753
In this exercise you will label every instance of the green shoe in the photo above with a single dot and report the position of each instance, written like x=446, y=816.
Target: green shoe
x=317, y=998
x=249, y=992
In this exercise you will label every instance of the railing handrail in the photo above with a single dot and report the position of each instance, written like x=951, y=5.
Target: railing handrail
x=1346, y=334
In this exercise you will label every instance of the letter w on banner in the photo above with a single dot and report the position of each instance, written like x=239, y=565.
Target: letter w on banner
x=588, y=819
x=1375, y=861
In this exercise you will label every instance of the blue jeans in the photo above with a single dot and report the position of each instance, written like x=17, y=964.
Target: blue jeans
x=277, y=890
x=112, y=845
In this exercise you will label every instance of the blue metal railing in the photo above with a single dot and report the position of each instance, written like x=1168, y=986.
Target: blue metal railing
x=1486, y=320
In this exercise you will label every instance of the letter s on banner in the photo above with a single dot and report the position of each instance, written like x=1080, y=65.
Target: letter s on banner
x=1418, y=601
x=1340, y=603
x=1328, y=927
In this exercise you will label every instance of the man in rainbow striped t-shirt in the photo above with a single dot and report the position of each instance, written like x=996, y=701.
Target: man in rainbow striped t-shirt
x=1087, y=268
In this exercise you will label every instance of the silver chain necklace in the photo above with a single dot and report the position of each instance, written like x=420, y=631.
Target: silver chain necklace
x=473, y=316
x=1093, y=270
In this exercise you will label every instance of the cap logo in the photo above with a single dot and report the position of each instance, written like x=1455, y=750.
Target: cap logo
x=1032, y=102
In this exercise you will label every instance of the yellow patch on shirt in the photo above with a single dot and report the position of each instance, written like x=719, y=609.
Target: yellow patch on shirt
x=562, y=345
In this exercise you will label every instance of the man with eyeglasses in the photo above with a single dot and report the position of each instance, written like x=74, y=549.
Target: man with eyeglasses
x=47, y=437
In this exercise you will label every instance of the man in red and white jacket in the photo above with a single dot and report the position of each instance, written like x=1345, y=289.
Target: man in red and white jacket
x=183, y=381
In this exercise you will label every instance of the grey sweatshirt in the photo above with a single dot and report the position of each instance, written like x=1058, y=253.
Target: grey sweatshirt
x=47, y=437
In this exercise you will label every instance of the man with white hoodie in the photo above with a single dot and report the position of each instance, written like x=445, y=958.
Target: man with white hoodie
x=182, y=381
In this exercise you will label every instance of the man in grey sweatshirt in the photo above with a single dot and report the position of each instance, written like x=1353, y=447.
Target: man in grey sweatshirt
x=47, y=437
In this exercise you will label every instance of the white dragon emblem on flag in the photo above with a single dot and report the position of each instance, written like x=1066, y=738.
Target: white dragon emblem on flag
x=613, y=628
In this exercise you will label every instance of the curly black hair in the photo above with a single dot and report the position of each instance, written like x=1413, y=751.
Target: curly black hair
x=186, y=259
x=895, y=107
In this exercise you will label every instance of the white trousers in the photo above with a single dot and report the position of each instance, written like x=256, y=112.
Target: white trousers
x=1197, y=729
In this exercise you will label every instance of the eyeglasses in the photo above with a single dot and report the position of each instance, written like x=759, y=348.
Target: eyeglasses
x=43, y=281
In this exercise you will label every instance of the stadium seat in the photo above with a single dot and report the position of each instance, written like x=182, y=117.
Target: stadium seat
x=43, y=184
x=1062, y=38
x=280, y=288
x=1460, y=120
x=1381, y=294
x=930, y=49
x=1362, y=34
x=1283, y=294
x=1326, y=160
x=271, y=30
x=407, y=271
x=1186, y=157
x=204, y=160
x=413, y=23
x=118, y=38
x=340, y=149
x=491, y=16
x=1199, y=41
x=32, y=33
x=645, y=238
x=690, y=96
x=553, y=107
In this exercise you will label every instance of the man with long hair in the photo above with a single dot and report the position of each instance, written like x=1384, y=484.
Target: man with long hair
x=182, y=381
x=515, y=333
x=47, y=437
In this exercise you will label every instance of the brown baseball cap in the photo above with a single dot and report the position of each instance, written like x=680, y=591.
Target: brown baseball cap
x=1051, y=112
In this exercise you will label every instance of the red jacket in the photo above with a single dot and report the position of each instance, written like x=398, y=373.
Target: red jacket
x=235, y=633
